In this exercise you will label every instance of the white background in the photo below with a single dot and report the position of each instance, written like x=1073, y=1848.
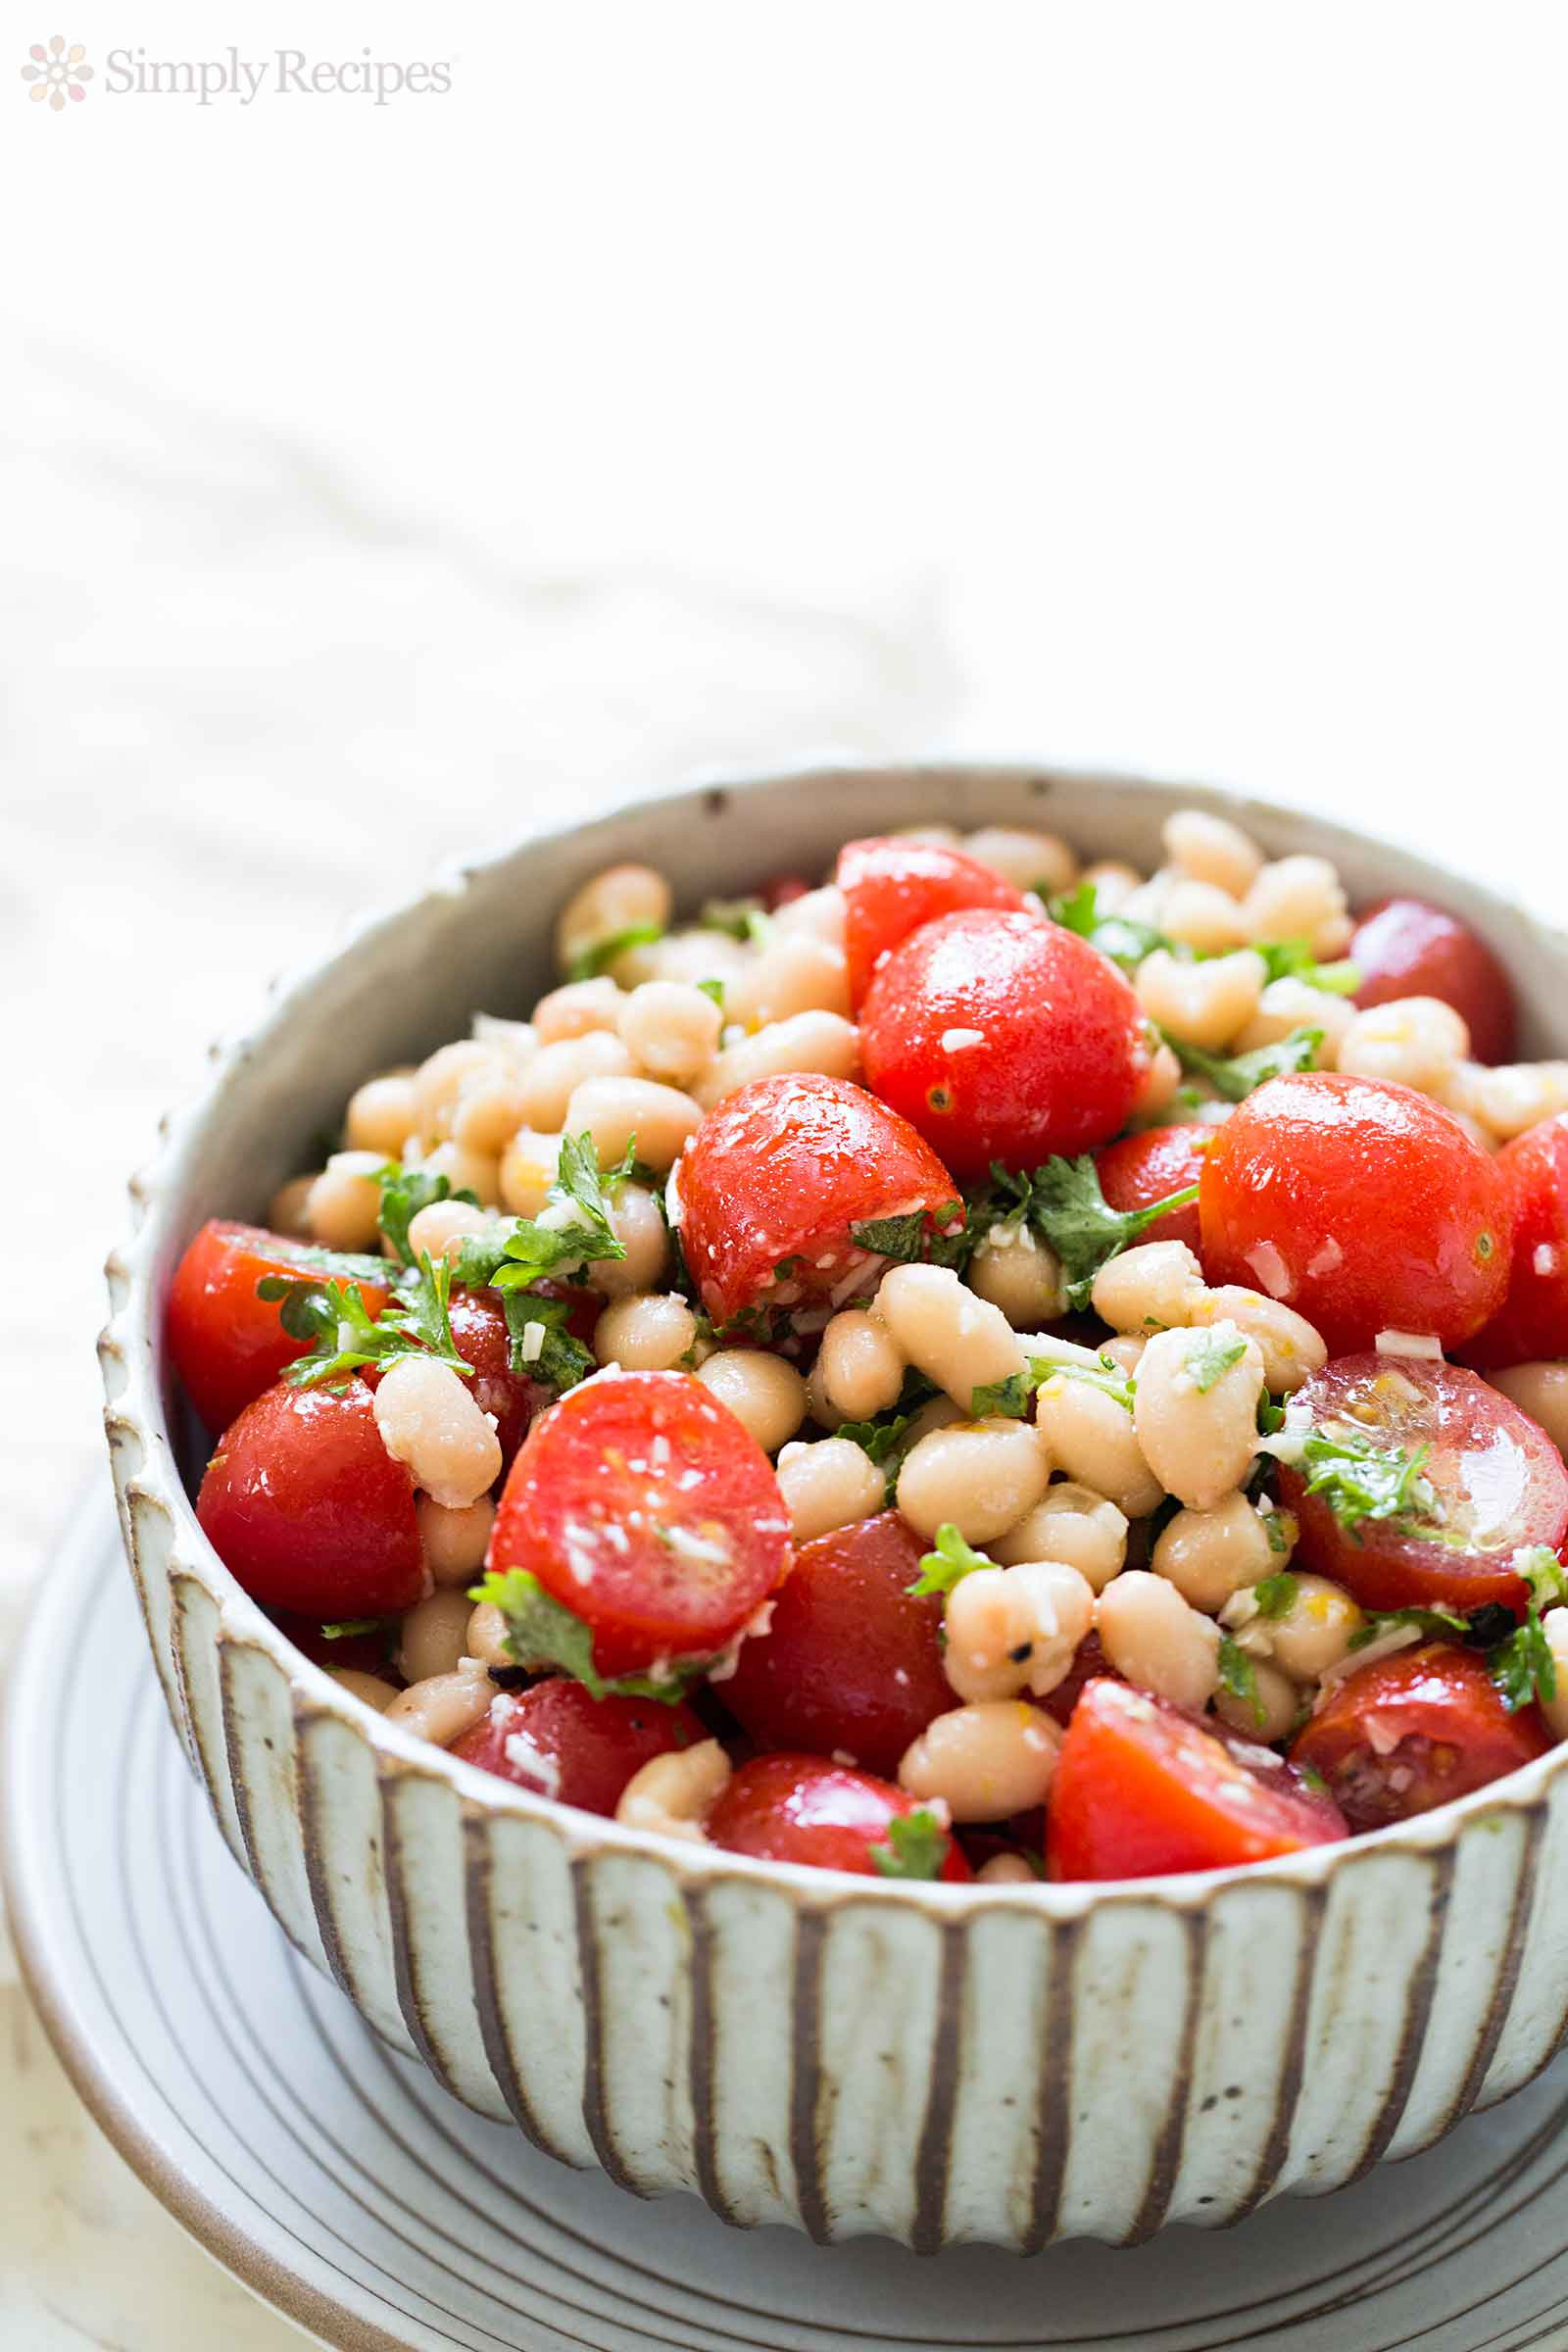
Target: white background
x=1177, y=387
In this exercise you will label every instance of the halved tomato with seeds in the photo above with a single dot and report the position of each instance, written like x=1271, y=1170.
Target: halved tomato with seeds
x=1414, y=1731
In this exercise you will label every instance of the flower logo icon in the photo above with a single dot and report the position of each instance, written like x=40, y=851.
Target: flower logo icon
x=57, y=72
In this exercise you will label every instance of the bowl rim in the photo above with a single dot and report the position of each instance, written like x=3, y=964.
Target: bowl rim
x=131, y=1352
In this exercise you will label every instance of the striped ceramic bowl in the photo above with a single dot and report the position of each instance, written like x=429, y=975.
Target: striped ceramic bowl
x=936, y=2063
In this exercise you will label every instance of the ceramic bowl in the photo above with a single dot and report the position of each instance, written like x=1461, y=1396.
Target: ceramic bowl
x=935, y=2063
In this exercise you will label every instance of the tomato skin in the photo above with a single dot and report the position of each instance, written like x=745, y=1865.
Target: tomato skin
x=1409, y=948
x=782, y=1170
x=891, y=887
x=1142, y=1788
x=1057, y=1052
x=595, y=1495
x=307, y=1509
x=1141, y=1169
x=794, y=1808
x=1533, y=1320
x=586, y=1749
x=1363, y=1205
x=1482, y=1445
x=479, y=1328
x=850, y=1665
x=1414, y=1731
x=227, y=1345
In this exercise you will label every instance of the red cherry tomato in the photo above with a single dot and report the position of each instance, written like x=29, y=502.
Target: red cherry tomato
x=782, y=1170
x=558, y=1742
x=1142, y=1787
x=1004, y=1037
x=1414, y=1731
x=369, y=1653
x=1142, y=1169
x=306, y=1507
x=1409, y=948
x=1533, y=1321
x=1498, y=1483
x=800, y=1809
x=782, y=890
x=479, y=1328
x=1363, y=1205
x=891, y=886
x=850, y=1664
x=228, y=1345
x=642, y=1505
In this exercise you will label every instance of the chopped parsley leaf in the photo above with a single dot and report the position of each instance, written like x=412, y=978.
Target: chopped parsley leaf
x=916, y=1846
x=1543, y=1573
x=1122, y=938
x=1008, y=1398
x=404, y=1193
x=1234, y=1078
x=1441, y=1624
x=1276, y=1595
x=951, y=1561
x=1361, y=1481
x=604, y=951
x=351, y=1628
x=1116, y=1384
x=1523, y=1666
x=1068, y=1209
x=1238, y=1678
x=541, y=1632
x=1212, y=1356
x=347, y=1336
x=1293, y=960
x=713, y=988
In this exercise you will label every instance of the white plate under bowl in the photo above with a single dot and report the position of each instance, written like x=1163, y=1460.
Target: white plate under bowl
x=347, y=2190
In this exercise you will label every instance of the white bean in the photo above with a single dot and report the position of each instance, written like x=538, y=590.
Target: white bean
x=382, y=1114
x=638, y=1224
x=818, y=911
x=1112, y=882
x=344, y=1203
x=981, y=1475
x=1300, y=898
x=1509, y=1099
x=619, y=1111
x=1204, y=1004
x=527, y=1170
x=434, y=1635
x=1410, y=1041
x=860, y=1367
x=1542, y=1391
x=576, y=1009
x=455, y=1542
x=796, y=972
x=673, y=1794
x=1157, y=1088
x=1313, y=1633
x=428, y=1419
x=1038, y=862
x=1211, y=849
x=959, y=1340
x=1018, y=1273
x=828, y=1484
x=1289, y=1005
x=1207, y=1555
x=1151, y=1636
x=1006, y=1870
x=644, y=1331
x=443, y=1707
x=671, y=1028
x=289, y=1209
x=1276, y=1713
x=1010, y=1630
x=489, y=1108
x=1291, y=1346
x=984, y=1762
x=440, y=1079
x=486, y=1637
x=466, y=1170
x=1090, y=1436
x=1149, y=1288
x=823, y=1042
x=440, y=1230
x=371, y=1688
x=517, y=1042
x=1204, y=918
x=1075, y=1525
x=1196, y=1415
x=765, y=1395
x=623, y=897
x=557, y=1071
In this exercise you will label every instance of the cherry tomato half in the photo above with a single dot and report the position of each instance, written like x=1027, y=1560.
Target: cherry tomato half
x=1004, y=1037
x=1409, y=948
x=1533, y=1321
x=849, y=1663
x=788, y=1808
x=479, y=1328
x=1142, y=1169
x=640, y=1504
x=1497, y=1481
x=557, y=1740
x=1414, y=1731
x=308, y=1510
x=891, y=886
x=777, y=1175
x=228, y=1345
x=1142, y=1787
x=1363, y=1205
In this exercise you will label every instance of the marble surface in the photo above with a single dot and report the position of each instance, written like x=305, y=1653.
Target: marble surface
x=1107, y=385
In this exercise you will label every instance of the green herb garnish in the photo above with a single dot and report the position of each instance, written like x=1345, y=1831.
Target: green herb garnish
x=541, y=1632
x=1360, y=1482
x=916, y=1846
x=1238, y=1676
x=1068, y=1209
x=951, y=1561
x=605, y=951
x=1234, y=1078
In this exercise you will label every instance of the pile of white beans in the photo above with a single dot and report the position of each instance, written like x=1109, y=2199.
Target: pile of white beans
x=1056, y=1500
